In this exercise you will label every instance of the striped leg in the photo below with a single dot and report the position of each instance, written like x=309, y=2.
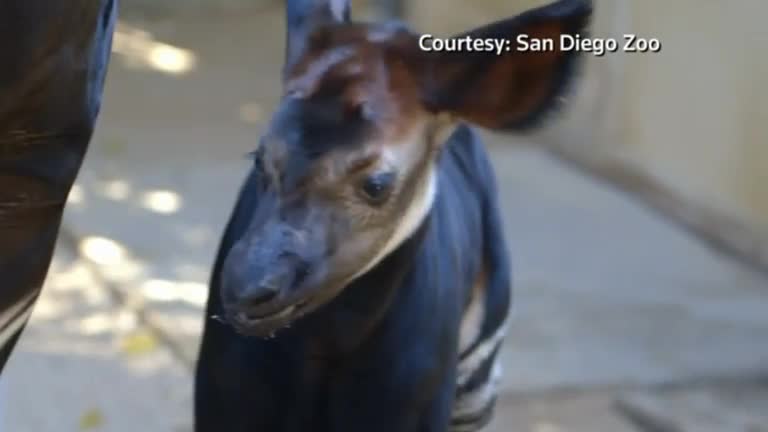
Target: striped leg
x=484, y=322
x=479, y=375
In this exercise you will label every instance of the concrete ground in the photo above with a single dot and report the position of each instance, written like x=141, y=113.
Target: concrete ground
x=621, y=321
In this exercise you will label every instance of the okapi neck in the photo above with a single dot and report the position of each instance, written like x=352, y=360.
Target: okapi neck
x=350, y=320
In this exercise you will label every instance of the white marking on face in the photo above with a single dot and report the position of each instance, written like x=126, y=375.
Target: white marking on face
x=410, y=221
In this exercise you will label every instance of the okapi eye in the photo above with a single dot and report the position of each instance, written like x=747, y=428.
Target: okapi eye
x=360, y=110
x=376, y=188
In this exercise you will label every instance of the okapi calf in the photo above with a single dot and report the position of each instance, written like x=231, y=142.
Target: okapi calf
x=363, y=281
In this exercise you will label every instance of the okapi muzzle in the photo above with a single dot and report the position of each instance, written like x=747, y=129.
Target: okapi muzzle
x=269, y=275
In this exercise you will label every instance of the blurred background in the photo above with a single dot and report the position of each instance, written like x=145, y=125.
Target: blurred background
x=637, y=221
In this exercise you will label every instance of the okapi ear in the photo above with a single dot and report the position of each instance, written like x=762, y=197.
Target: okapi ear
x=514, y=89
x=302, y=16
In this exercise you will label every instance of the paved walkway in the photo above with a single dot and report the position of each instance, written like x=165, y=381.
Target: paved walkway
x=87, y=363
x=613, y=307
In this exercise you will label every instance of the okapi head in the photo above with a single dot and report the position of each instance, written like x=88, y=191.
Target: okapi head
x=346, y=171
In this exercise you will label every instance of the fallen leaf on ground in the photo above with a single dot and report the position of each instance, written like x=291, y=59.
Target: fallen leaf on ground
x=139, y=343
x=91, y=419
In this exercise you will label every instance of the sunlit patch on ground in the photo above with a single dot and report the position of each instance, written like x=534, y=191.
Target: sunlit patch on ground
x=76, y=195
x=113, y=259
x=72, y=288
x=118, y=190
x=166, y=291
x=162, y=201
x=102, y=250
x=139, y=49
x=102, y=322
x=85, y=362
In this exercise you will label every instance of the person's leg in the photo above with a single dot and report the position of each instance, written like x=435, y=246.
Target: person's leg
x=53, y=60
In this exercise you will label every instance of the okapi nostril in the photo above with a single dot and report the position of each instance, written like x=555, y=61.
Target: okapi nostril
x=301, y=273
x=260, y=294
x=267, y=288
